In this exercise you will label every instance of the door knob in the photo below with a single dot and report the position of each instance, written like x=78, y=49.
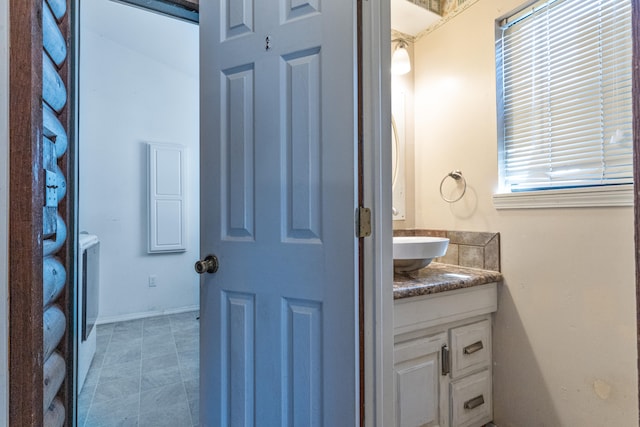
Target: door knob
x=207, y=265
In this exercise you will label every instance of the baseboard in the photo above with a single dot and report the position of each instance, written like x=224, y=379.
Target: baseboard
x=490, y=425
x=143, y=315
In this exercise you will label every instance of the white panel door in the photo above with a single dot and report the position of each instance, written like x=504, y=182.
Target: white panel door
x=166, y=207
x=279, y=328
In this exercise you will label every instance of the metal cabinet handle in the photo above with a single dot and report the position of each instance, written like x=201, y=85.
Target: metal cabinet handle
x=476, y=346
x=444, y=354
x=474, y=403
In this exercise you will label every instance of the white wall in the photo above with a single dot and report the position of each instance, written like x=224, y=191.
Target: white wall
x=565, y=332
x=138, y=83
x=4, y=211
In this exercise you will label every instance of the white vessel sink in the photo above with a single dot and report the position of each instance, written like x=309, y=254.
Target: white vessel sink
x=412, y=253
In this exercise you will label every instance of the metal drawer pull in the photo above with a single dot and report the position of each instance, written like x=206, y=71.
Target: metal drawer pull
x=474, y=403
x=476, y=346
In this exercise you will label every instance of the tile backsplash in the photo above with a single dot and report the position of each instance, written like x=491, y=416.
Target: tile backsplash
x=466, y=248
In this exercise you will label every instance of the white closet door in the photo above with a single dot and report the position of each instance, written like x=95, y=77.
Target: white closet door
x=166, y=198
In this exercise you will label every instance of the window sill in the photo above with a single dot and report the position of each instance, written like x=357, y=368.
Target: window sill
x=615, y=195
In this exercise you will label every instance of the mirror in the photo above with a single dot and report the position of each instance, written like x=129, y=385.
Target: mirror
x=397, y=157
x=394, y=151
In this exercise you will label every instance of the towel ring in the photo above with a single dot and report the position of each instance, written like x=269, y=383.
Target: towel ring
x=457, y=176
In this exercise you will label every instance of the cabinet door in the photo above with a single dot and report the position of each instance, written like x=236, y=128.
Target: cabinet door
x=420, y=388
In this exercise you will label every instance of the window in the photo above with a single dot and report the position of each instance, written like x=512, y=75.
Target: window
x=564, y=95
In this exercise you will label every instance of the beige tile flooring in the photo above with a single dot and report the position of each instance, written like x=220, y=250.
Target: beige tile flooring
x=145, y=373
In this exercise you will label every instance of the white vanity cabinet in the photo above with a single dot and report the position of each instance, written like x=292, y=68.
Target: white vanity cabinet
x=442, y=358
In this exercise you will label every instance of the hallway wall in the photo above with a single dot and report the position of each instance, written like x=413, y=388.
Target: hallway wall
x=138, y=84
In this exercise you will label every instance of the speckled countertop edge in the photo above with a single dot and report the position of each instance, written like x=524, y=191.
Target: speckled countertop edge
x=439, y=277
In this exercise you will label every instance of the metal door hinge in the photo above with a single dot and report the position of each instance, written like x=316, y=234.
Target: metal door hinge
x=363, y=222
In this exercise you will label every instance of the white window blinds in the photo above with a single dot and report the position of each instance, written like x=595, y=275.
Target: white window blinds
x=564, y=73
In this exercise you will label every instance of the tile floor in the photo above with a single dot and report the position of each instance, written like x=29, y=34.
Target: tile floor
x=145, y=373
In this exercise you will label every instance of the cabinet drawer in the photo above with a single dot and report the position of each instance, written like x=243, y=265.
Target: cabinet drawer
x=470, y=348
x=471, y=400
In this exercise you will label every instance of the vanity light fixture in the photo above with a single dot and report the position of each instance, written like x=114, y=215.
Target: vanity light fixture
x=400, y=61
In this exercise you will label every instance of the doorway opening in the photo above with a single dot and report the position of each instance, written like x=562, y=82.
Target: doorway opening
x=26, y=395
x=138, y=89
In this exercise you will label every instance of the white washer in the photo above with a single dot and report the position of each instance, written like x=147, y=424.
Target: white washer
x=87, y=303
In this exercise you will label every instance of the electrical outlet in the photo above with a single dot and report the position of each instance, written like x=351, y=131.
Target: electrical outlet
x=152, y=281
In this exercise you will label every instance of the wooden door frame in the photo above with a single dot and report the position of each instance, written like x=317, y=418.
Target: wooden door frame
x=635, y=20
x=26, y=201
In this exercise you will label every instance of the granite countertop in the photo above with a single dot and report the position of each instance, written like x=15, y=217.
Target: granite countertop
x=439, y=277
